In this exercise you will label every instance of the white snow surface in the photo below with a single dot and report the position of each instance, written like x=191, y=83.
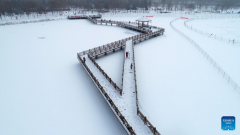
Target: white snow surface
x=43, y=88
x=225, y=54
x=116, y=64
x=179, y=90
x=228, y=28
x=127, y=102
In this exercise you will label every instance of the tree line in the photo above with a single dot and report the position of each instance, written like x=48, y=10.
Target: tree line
x=211, y=5
x=21, y=6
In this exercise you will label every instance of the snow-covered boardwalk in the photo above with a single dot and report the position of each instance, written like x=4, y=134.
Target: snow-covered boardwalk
x=123, y=102
x=129, y=94
x=126, y=104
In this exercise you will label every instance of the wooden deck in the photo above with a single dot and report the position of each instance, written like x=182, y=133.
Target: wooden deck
x=112, y=47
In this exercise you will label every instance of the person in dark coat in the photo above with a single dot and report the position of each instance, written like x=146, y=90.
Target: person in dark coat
x=131, y=65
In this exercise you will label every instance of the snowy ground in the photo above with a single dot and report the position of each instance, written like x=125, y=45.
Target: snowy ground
x=44, y=90
x=177, y=84
x=114, y=69
x=191, y=95
x=225, y=54
x=222, y=28
x=127, y=102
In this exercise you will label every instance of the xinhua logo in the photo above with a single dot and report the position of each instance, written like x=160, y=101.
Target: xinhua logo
x=228, y=123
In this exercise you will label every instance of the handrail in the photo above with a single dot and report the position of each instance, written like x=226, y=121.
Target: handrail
x=105, y=74
x=123, y=66
x=119, y=44
x=108, y=99
x=139, y=113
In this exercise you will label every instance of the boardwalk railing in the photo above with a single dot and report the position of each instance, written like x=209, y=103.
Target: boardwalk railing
x=142, y=37
x=129, y=25
x=121, y=118
x=139, y=113
x=92, y=19
x=123, y=66
x=105, y=74
x=148, y=123
x=95, y=52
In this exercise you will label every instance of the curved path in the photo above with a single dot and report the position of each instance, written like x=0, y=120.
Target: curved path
x=123, y=102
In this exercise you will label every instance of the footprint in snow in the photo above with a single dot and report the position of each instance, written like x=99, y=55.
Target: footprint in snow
x=41, y=37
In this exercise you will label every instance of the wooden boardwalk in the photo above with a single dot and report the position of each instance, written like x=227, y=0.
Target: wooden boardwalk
x=123, y=101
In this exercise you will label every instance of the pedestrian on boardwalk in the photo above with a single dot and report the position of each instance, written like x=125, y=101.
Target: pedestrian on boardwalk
x=126, y=54
x=84, y=59
x=131, y=65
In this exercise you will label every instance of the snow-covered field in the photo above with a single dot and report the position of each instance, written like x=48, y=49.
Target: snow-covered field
x=225, y=54
x=222, y=28
x=44, y=90
x=191, y=95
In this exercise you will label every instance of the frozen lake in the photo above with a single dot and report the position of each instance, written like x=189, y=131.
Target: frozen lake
x=44, y=89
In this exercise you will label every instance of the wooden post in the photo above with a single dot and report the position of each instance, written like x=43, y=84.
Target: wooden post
x=154, y=130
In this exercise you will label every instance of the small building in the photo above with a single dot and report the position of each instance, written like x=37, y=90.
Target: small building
x=81, y=16
x=77, y=16
x=141, y=22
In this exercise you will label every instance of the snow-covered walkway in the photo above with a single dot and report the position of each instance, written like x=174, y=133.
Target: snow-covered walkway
x=152, y=28
x=127, y=102
x=129, y=93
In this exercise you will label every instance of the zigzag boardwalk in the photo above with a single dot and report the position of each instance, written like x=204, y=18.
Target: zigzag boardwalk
x=123, y=102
